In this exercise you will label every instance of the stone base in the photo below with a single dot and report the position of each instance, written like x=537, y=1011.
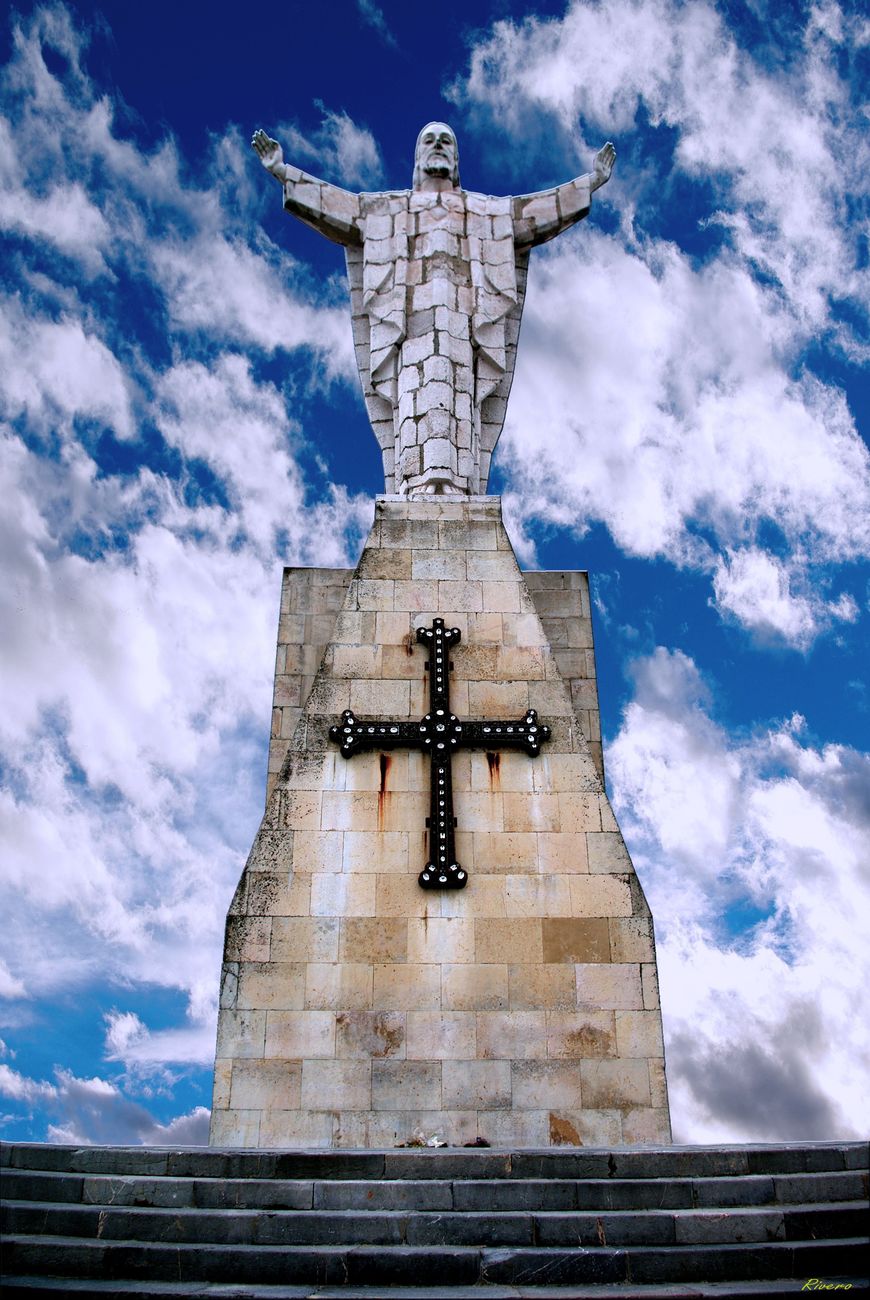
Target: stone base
x=358, y=1009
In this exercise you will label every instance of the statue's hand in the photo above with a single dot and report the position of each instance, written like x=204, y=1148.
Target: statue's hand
x=269, y=152
x=603, y=165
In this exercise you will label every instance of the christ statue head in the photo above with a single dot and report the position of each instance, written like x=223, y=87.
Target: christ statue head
x=436, y=155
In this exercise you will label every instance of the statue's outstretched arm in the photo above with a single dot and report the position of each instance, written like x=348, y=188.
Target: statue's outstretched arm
x=542, y=216
x=332, y=211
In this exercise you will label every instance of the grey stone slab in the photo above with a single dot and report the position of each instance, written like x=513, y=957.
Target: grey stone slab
x=753, y=1189
x=26, y=1185
x=651, y=1227
x=451, y=1266
x=531, y=1194
x=553, y=1266
x=505, y=1229
x=847, y=1185
x=401, y=1194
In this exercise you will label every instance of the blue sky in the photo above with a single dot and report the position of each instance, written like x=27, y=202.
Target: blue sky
x=180, y=416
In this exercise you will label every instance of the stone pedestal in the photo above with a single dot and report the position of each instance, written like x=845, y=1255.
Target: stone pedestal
x=358, y=1008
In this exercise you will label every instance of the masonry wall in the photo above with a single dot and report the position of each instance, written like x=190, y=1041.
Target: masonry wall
x=357, y=1008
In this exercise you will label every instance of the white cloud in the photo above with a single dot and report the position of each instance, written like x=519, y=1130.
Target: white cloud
x=777, y=826
x=338, y=151
x=373, y=16
x=139, y=620
x=758, y=590
x=10, y=987
x=662, y=391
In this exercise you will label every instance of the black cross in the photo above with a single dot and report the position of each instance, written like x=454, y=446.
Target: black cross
x=439, y=734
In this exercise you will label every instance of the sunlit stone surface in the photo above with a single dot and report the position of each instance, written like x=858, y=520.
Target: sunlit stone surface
x=356, y=1007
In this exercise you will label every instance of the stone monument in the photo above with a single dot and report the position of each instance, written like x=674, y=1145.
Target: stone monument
x=439, y=928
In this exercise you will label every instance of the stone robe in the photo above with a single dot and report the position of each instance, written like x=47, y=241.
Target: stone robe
x=437, y=283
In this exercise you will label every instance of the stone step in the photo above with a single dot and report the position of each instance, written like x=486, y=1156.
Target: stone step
x=415, y=1164
x=30, y=1289
x=417, y=1228
x=435, y=1194
x=445, y=1265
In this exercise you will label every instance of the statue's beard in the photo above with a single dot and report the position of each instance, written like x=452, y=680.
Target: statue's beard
x=437, y=167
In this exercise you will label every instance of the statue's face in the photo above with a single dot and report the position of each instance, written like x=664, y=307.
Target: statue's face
x=437, y=152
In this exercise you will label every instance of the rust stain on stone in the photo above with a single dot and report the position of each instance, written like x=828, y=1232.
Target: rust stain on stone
x=391, y=1036
x=383, y=794
x=563, y=1133
x=493, y=762
x=589, y=1041
x=409, y=642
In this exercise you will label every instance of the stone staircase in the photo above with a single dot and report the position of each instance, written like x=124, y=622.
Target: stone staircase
x=631, y=1222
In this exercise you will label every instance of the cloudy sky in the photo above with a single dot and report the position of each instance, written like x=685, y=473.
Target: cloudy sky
x=180, y=416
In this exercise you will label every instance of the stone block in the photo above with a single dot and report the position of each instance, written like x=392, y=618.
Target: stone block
x=271, y=984
x=406, y=1085
x=441, y=939
x=476, y=1085
x=317, y=851
x=343, y=895
x=390, y=629
x=650, y=982
x=380, y=699
x=266, y=1085
x=519, y=937
x=401, y=896
x=507, y=853
x=482, y=896
x=580, y=810
x=607, y=852
x=373, y=1035
x=299, y=1034
x=478, y=810
x=235, y=1128
x=417, y=595
x=546, y=896
x=615, y=1085
x=513, y=1128
x=576, y=939
x=562, y=853
x=241, y=1034
x=504, y=598
x=441, y=1035
x=531, y=812
x=543, y=1085
x=646, y=1124
x=500, y=701
x=303, y=938
x=383, y=851
x=336, y=1085
x=349, y=810
x=639, y=1033
x=574, y=1034
x=631, y=939
x=615, y=986
x=297, y=1128
x=474, y=986
x=444, y=565
x=548, y=986
x=375, y=939
x=407, y=987
x=501, y=770
x=223, y=1074
x=600, y=896
x=658, y=1086
x=248, y=938
x=512, y=1035
x=338, y=986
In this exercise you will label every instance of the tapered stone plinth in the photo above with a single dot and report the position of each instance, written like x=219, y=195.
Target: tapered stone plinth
x=357, y=1007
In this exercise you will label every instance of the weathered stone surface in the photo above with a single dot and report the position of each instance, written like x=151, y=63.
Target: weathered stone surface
x=437, y=283
x=357, y=1007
